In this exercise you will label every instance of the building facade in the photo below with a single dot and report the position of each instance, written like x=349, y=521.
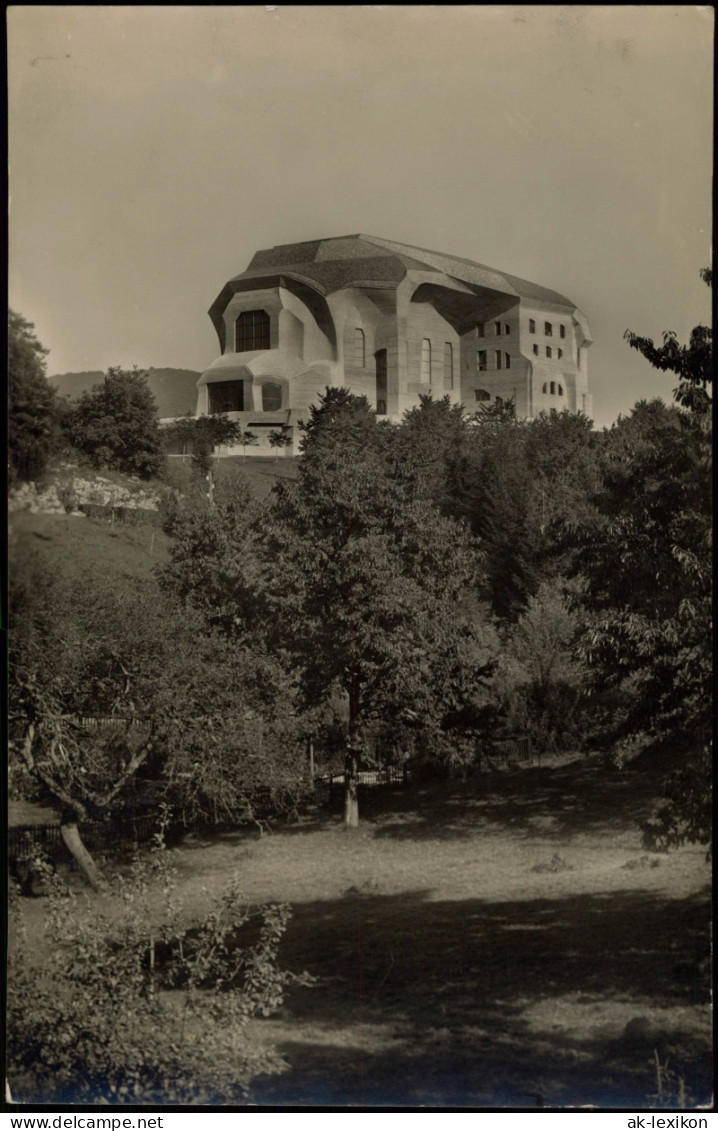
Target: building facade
x=389, y=322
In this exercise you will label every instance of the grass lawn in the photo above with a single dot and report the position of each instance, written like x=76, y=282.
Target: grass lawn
x=130, y=551
x=504, y=942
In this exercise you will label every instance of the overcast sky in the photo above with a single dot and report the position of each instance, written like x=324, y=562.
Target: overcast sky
x=154, y=149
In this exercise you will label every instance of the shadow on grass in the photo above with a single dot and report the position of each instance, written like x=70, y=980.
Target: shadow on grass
x=470, y=1003
x=579, y=798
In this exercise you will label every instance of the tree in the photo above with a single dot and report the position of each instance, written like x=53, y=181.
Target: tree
x=647, y=560
x=541, y=678
x=114, y=425
x=693, y=363
x=81, y=645
x=367, y=581
x=280, y=438
x=33, y=410
x=492, y=488
x=203, y=434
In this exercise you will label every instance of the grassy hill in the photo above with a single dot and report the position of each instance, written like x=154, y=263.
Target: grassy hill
x=175, y=390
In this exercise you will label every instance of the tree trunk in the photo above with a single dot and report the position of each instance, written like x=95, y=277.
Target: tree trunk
x=351, y=789
x=351, y=765
x=73, y=842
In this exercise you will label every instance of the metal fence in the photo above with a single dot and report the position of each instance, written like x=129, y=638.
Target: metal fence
x=25, y=841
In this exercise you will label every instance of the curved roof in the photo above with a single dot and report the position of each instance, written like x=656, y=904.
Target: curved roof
x=360, y=260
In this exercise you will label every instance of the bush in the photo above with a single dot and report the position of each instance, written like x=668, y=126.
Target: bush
x=103, y=1021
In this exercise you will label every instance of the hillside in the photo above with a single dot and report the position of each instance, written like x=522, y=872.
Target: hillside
x=175, y=390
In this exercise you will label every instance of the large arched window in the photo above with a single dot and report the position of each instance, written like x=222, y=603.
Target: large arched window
x=425, y=361
x=271, y=397
x=251, y=331
x=359, y=348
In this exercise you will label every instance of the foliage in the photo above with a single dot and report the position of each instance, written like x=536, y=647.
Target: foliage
x=91, y=1024
x=693, y=363
x=114, y=425
x=205, y=433
x=215, y=562
x=369, y=576
x=280, y=438
x=33, y=407
x=541, y=680
x=686, y=814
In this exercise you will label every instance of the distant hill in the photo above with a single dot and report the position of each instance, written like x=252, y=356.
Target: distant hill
x=175, y=390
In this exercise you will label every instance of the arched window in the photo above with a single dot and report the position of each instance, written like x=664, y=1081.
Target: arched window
x=508, y=360
x=359, y=348
x=448, y=365
x=560, y=390
x=545, y=388
x=381, y=408
x=251, y=331
x=482, y=395
x=271, y=397
x=481, y=360
x=559, y=353
x=549, y=352
x=553, y=388
x=425, y=361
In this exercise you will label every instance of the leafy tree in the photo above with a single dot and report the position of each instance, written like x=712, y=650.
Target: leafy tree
x=647, y=561
x=114, y=425
x=368, y=580
x=492, y=488
x=202, y=435
x=33, y=410
x=427, y=441
x=541, y=678
x=693, y=364
x=112, y=1012
x=279, y=438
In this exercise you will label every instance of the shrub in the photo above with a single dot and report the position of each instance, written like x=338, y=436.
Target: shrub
x=102, y=1022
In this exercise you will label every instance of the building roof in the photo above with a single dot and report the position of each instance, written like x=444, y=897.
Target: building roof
x=361, y=260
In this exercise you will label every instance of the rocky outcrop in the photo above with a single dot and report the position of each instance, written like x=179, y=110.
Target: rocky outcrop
x=72, y=491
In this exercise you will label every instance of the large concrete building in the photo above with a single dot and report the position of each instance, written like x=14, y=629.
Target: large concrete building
x=390, y=322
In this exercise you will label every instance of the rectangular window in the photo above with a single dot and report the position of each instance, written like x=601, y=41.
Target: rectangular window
x=481, y=358
x=549, y=352
x=251, y=331
x=507, y=328
x=507, y=358
x=559, y=353
x=448, y=365
x=536, y=351
x=562, y=331
x=226, y=396
x=480, y=329
x=425, y=361
x=532, y=326
x=498, y=359
x=548, y=329
x=497, y=327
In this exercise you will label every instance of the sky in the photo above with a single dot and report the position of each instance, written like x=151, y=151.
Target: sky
x=153, y=150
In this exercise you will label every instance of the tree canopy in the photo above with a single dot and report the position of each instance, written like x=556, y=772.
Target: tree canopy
x=114, y=425
x=33, y=409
